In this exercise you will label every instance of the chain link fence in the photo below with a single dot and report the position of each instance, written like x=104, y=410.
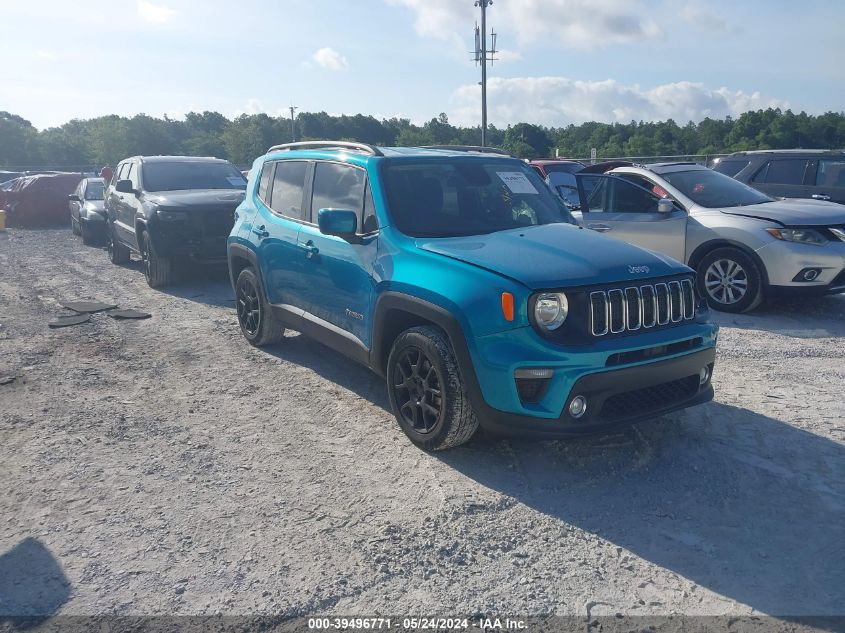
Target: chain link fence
x=701, y=159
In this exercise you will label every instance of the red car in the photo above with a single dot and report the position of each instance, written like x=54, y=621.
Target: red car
x=545, y=167
x=40, y=200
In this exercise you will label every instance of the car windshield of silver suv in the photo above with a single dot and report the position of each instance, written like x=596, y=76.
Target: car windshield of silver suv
x=714, y=190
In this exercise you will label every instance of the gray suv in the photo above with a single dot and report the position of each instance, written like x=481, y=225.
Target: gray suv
x=787, y=173
x=744, y=245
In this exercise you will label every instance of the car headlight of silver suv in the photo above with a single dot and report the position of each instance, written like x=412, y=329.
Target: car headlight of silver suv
x=802, y=236
x=551, y=310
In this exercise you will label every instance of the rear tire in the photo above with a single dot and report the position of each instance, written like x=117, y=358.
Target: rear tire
x=730, y=280
x=259, y=325
x=157, y=269
x=427, y=393
x=118, y=253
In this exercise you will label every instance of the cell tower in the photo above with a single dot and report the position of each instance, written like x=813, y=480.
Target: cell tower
x=293, y=109
x=482, y=56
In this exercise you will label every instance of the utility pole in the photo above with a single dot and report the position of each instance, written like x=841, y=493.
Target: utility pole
x=292, y=124
x=482, y=56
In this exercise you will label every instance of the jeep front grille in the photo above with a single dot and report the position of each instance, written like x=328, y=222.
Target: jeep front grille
x=641, y=307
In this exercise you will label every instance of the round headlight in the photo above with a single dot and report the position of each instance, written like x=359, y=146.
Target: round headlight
x=550, y=310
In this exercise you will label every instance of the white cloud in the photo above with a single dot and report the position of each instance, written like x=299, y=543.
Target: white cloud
x=45, y=55
x=567, y=23
x=331, y=59
x=695, y=12
x=507, y=56
x=559, y=101
x=154, y=13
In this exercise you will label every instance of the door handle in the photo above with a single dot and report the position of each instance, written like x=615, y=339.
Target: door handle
x=819, y=196
x=260, y=232
x=309, y=248
x=601, y=228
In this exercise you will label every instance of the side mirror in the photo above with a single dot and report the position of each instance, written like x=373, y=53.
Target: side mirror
x=124, y=186
x=665, y=205
x=340, y=222
x=74, y=198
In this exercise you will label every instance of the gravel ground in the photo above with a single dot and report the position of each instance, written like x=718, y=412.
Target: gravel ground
x=165, y=467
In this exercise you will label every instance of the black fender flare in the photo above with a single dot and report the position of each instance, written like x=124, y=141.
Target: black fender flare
x=711, y=245
x=242, y=252
x=425, y=312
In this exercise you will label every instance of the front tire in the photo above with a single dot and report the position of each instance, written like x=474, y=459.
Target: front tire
x=157, y=269
x=74, y=226
x=427, y=393
x=730, y=280
x=259, y=325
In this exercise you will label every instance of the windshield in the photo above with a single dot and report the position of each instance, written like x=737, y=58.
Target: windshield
x=94, y=191
x=713, y=190
x=447, y=198
x=160, y=176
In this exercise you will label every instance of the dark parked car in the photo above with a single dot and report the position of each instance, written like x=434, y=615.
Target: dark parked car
x=805, y=173
x=40, y=200
x=171, y=210
x=87, y=214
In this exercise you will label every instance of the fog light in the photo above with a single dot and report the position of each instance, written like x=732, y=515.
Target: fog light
x=703, y=375
x=578, y=406
x=807, y=274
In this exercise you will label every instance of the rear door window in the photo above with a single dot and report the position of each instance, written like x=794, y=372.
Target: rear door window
x=789, y=171
x=288, y=186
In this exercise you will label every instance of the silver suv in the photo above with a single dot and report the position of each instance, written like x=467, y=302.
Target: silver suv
x=744, y=245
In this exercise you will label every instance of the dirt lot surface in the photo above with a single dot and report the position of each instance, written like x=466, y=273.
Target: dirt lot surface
x=165, y=467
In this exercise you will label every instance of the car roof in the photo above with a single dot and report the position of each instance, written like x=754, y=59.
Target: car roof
x=362, y=152
x=668, y=168
x=553, y=161
x=179, y=159
x=787, y=151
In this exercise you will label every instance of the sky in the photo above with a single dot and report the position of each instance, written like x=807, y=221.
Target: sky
x=560, y=61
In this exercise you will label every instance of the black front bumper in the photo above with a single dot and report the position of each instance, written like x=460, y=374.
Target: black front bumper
x=615, y=398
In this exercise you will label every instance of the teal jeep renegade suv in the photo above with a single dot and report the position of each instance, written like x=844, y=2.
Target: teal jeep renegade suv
x=458, y=276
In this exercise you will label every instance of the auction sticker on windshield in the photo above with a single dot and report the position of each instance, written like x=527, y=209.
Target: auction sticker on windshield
x=516, y=182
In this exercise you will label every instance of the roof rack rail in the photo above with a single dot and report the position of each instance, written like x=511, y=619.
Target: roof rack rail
x=470, y=148
x=366, y=148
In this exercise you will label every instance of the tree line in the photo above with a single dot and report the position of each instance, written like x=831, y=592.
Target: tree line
x=108, y=139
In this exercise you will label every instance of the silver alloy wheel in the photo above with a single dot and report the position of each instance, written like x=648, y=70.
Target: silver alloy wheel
x=726, y=281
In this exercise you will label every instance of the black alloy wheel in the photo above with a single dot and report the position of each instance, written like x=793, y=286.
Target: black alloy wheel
x=259, y=324
x=418, y=391
x=249, y=307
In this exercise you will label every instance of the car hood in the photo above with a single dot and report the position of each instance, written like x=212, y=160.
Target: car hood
x=205, y=198
x=93, y=205
x=555, y=256
x=794, y=212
